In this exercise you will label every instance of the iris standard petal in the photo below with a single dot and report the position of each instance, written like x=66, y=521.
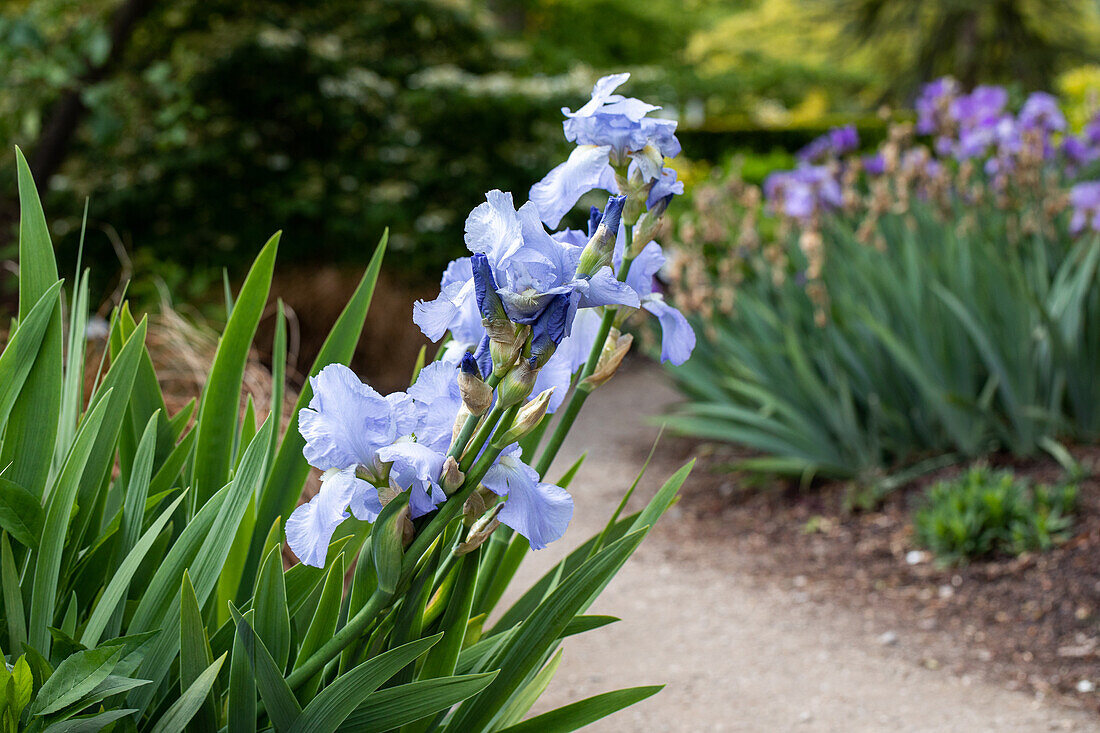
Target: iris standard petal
x=585, y=169
x=436, y=391
x=346, y=421
x=492, y=228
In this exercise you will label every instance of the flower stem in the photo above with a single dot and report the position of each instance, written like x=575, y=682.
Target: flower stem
x=379, y=600
x=482, y=435
x=469, y=426
x=576, y=401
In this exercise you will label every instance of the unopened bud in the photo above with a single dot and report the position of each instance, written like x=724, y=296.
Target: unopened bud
x=529, y=416
x=408, y=531
x=473, y=508
x=452, y=477
x=460, y=422
x=649, y=162
x=614, y=349
x=476, y=395
x=517, y=384
x=601, y=247
x=647, y=228
x=506, y=344
x=481, y=530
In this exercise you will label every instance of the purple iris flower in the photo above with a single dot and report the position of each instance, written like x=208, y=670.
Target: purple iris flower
x=1077, y=153
x=1041, y=112
x=833, y=144
x=538, y=511
x=1092, y=130
x=1084, y=198
x=803, y=192
x=874, y=164
x=934, y=106
x=610, y=130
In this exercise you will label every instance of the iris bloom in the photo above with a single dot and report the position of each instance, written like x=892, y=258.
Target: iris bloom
x=538, y=511
x=364, y=441
x=803, y=192
x=611, y=131
x=346, y=426
x=1085, y=200
x=832, y=144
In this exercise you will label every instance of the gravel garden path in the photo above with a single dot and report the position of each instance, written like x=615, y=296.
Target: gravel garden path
x=738, y=652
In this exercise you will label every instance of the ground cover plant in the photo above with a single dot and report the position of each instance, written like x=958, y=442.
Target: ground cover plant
x=141, y=552
x=985, y=513
x=933, y=300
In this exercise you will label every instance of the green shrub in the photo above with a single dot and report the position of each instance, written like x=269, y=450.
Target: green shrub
x=986, y=513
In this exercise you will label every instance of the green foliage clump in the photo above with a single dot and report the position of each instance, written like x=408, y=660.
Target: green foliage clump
x=911, y=323
x=142, y=574
x=986, y=513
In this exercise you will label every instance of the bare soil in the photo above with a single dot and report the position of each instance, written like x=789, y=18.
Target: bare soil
x=756, y=624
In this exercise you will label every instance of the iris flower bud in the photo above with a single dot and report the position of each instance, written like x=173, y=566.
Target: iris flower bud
x=594, y=217
x=517, y=384
x=476, y=395
x=451, y=477
x=481, y=530
x=614, y=349
x=529, y=416
x=460, y=422
x=648, y=226
x=600, y=248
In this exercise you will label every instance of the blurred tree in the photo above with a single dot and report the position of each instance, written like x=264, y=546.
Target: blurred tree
x=222, y=120
x=977, y=41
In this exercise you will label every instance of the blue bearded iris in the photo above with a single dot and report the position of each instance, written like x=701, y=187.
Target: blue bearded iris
x=371, y=447
x=524, y=266
x=677, y=335
x=611, y=131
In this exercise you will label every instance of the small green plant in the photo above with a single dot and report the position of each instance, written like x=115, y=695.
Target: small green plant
x=985, y=513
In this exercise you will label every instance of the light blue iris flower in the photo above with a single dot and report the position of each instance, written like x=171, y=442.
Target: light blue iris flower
x=415, y=468
x=455, y=309
x=309, y=529
x=346, y=421
x=538, y=511
x=346, y=427
x=530, y=268
x=677, y=336
x=610, y=130
x=436, y=392
x=361, y=439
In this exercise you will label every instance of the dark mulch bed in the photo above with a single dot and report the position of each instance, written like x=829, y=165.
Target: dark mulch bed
x=1031, y=622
